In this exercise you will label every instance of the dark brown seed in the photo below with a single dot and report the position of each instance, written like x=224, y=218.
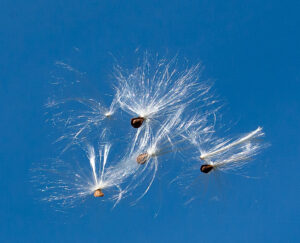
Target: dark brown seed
x=137, y=122
x=98, y=193
x=142, y=158
x=206, y=168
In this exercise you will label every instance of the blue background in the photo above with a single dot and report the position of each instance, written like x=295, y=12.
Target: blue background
x=251, y=50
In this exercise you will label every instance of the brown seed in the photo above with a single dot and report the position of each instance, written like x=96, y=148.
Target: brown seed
x=142, y=158
x=137, y=122
x=206, y=168
x=98, y=193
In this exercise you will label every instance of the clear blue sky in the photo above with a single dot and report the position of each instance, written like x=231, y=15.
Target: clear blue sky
x=251, y=50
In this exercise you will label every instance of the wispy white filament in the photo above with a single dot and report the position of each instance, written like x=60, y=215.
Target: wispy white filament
x=91, y=157
x=228, y=154
x=154, y=90
x=79, y=118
